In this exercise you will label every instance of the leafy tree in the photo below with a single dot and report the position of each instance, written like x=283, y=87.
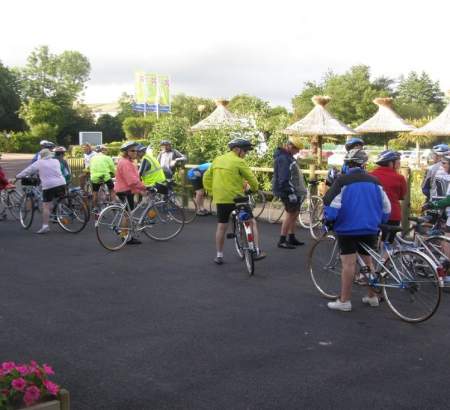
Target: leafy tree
x=302, y=103
x=249, y=106
x=138, y=127
x=9, y=101
x=173, y=129
x=126, y=107
x=189, y=107
x=111, y=127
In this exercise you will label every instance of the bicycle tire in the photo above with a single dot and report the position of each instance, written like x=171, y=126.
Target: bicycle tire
x=113, y=227
x=316, y=228
x=165, y=222
x=27, y=209
x=258, y=201
x=435, y=247
x=72, y=214
x=190, y=209
x=248, y=253
x=276, y=210
x=13, y=200
x=306, y=217
x=324, y=266
x=237, y=231
x=412, y=292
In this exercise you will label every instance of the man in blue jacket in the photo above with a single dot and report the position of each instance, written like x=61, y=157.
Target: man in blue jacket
x=288, y=184
x=355, y=205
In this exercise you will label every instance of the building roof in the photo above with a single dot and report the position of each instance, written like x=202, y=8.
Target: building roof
x=438, y=127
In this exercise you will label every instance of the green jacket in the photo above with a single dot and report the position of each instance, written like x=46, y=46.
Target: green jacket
x=442, y=203
x=151, y=172
x=101, y=167
x=225, y=178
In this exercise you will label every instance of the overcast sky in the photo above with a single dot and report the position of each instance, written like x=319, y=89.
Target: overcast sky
x=222, y=48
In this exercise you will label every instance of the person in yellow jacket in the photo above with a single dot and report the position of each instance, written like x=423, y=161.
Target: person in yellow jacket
x=228, y=177
x=150, y=171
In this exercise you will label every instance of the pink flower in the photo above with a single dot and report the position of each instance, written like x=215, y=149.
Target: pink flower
x=32, y=395
x=8, y=367
x=23, y=369
x=48, y=369
x=19, y=384
x=51, y=387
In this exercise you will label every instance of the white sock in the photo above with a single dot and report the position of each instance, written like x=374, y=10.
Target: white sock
x=220, y=254
x=44, y=226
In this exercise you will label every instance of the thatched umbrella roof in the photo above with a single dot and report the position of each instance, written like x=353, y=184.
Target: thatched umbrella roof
x=439, y=127
x=385, y=120
x=319, y=122
x=220, y=118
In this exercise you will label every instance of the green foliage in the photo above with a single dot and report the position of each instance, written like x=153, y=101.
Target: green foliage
x=193, y=109
x=23, y=142
x=126, y=108
x=138, y=127
x=173, y=129
x=302, y=103
x=111, y=127
x=9, y=101
x=206, y=145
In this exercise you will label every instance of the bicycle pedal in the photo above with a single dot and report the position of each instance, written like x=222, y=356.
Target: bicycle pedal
x=231, y=236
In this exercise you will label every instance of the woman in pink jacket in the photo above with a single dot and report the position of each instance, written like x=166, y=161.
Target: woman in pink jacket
x=128, y=181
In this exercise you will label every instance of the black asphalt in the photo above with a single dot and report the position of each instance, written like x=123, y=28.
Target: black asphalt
x=159, y=326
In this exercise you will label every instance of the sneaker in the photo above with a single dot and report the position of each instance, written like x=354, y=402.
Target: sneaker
x=202, y=212
x=218, y=260
x=134, y=241
x=371, y=301
x=296, y=242
x=260, y=255
x=338, y=305
x=44, y=229
x=286, y=245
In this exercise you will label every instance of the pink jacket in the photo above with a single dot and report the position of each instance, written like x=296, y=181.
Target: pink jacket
x=127, y=177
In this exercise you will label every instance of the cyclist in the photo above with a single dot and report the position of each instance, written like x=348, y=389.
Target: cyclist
x=227, y=178
x=101, y=169
x=169, y=158
x=355, y=205
x=288, y=184
x=393, y=184
x=195, y=175
x=434, y=183
x=43, y=144
x=88, y=155
x=59, y=153
x=128, y=181
x=150, y=171
x=4, y=184
x=52, y=181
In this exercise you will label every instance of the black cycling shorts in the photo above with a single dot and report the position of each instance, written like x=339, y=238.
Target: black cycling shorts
x=224, y=212
x=291, y=207
x=48, y=195
x=127, y=196
x=109, y=184
x=387, y=236
x=197, y=184
x=351, y=244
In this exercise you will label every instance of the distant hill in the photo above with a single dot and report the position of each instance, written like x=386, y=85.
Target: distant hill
x=104, y=108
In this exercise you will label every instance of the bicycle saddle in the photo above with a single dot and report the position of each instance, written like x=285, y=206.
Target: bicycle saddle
x=241, y=200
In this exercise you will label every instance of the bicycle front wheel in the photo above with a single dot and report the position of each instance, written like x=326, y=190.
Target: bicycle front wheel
x=411, y=286
x=438, y=246
x=324, y=265
x=26, y=213
x=113, y=227
x=188, y=204
x=316, y=227
x=72, y=214
x=163, y=221
x=276, y=210
x=247, y=253
x=13, y=201
x=258, y=202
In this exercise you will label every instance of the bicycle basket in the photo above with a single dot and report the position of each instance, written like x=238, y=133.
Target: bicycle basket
x=30, y=181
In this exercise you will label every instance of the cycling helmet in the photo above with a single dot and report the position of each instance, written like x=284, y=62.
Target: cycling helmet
x=241, y=143
x=59, y=150
x=352, y=142
x=46, y=144
x=387, y=156
x=440, y=149
x=141, y=148
x=127, y=145
x=100, y=148
x=356, y=155
x=165, y=142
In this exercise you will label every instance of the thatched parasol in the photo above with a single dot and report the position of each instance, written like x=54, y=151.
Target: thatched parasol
x=220, y=118
x=439, y=127
x=384, y=121
x=317, y=124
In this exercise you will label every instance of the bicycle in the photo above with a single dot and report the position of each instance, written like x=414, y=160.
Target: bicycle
x=31, y=201
x=242, y=232
x=10, y=201
x=311, y=209
x=276, y=210
x=407, y=278
x=257, y=202
x=184, y=199
x=159, y=219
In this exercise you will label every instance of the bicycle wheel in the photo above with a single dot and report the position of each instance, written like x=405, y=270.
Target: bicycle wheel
x=411, y=286
x=276, y=210
x=258, y=203
x=188, y=204
x=26, y=212
x=71, y=213
x=113, y=227
x=248, y=253
x=163, y=221
x=238, y=240
x=316, y=228
x=324, y=265
x=437, y=246
x=13, y=201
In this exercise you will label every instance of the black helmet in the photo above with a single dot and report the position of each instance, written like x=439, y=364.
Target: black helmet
x=353, y=142
x=128, y=145
x=240, y=143
x=356, y=155
x=140, y=148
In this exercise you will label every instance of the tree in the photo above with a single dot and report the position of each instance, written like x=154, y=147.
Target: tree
x=126, y=107
x=193, y=109
x=419, y=96
x=138, y=127
x=9, y=101
x=111, y=127
x=249, y=106
x=302, y=103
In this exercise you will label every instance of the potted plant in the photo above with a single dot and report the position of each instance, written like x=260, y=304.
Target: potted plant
x=28, y=386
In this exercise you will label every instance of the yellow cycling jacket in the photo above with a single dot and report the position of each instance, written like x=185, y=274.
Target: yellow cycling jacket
x=225, y=178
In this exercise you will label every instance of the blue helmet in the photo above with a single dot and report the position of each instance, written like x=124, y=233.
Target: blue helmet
x=387, y=156
x=440, y=149
x=352, y=142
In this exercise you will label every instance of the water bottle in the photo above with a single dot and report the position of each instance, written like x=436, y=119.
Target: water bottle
x=244, y=216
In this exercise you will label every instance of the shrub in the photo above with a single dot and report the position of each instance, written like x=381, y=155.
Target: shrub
x=138, y=127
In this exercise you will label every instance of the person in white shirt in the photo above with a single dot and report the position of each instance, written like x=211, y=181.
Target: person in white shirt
x=52, y=181
x=169, y=158
x=88, y=154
